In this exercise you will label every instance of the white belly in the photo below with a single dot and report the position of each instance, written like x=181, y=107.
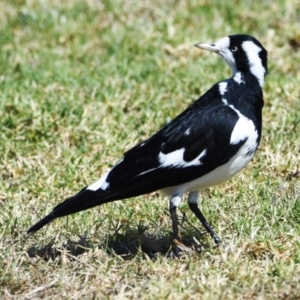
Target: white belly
x=215, y=177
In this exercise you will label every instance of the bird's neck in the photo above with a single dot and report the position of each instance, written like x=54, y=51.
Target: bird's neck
x=247, y=96
x=248, y=76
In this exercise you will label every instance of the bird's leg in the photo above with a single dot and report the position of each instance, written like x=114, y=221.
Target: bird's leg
x=193, y=204
x=174, y=203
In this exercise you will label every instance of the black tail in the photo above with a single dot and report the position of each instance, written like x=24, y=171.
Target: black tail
x=88, y=198
x=83, y=200
x=41, y=223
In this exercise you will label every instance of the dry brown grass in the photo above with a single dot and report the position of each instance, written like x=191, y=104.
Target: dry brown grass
x=80, y=82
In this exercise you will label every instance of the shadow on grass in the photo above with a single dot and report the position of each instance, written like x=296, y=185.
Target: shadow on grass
x=71, y=248
x=127, y=241
x=132, y=242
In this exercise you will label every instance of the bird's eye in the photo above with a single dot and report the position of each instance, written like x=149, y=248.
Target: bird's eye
x=233, y=48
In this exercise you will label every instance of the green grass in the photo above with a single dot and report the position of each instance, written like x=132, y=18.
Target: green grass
x=83, y=81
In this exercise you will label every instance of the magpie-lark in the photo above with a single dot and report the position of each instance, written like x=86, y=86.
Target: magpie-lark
x=207, y=144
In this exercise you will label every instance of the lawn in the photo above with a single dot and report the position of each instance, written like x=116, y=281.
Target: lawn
x=83, y=81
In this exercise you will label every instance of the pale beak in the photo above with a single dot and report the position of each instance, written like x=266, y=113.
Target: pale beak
x=210, y=47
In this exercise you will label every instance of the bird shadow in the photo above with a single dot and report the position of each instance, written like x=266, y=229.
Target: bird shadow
x=70, y=249
x=127, y=242
x=132, y=243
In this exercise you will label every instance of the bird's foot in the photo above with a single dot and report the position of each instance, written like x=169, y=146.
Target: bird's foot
x=179, y=248
x=216, y=239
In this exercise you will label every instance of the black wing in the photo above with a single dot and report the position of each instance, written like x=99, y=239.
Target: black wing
x=200, y=127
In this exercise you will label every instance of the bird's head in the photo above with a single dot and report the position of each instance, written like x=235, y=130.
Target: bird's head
x=243, y=53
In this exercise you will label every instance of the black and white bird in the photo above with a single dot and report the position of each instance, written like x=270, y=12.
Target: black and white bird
x=207, y=144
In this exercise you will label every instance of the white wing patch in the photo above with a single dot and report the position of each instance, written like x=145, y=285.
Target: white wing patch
x=99, y=184
x=145, y=172
x=175, y=159
x=256, y=67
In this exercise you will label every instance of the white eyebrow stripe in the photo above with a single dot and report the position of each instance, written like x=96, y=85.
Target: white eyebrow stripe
x=256, y=67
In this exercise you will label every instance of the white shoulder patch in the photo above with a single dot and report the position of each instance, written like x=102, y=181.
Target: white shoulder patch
x=238, y=78
x=243, y=129
x=223, y=87
x=256, y=67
